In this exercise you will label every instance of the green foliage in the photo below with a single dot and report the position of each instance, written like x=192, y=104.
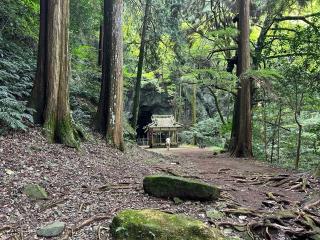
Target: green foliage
x=13, y=113
x=16, y=72
x=208, y=132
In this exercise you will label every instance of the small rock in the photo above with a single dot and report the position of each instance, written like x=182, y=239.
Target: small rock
x=227, y=231
x=214, y=214
x=9, y=172
x=177, y=200
x=51, y=230
x=35, y=192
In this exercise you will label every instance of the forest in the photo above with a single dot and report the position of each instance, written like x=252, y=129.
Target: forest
x=160, y=119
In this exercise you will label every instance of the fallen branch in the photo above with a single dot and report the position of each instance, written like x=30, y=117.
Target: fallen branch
x=6, y=228
x=311, y=205
x=53, y=204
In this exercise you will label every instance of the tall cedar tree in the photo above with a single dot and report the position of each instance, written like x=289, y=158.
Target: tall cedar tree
x=136, y=100
x=242, y=135
x=110, y=109
x=50, y=94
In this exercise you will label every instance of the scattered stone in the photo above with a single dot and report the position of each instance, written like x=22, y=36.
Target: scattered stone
x=51, y=230
x=215, y=214
x=35, y=192
x=186, y=189
x=152, y=224
x=9, y=172
x=177, y=200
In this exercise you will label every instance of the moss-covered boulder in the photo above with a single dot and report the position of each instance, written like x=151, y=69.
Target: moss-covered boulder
x=151, y=224
x=36, y=192
x=186, y=189
x=51, y=230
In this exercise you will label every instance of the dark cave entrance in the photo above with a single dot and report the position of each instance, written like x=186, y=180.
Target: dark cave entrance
x=143, y=120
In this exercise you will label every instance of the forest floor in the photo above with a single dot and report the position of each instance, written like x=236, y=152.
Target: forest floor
x=88, y=187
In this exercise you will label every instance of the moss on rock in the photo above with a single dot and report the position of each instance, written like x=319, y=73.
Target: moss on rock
x=51, y=230
x=151, y=224
x=170, y=187
x=34, y=191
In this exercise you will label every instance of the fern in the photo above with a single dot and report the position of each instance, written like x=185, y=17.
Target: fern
x=17, y=70
x=14, y=115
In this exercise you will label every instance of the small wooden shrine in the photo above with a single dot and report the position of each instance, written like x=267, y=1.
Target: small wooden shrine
x=162, y=127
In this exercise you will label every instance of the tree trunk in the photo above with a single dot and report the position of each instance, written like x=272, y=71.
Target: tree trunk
x=265, y=132
x=243, y=137
x=297, y=160
x=100, y=56
x=216, y=101
x=50, y=94
x=194, y=110
x=317, y=172
x=279, y=127
x=110, y=109
x=136, y=100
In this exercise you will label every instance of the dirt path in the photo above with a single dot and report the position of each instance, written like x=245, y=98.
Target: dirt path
x=242, y=178
x=100, y=181
x=260, y=201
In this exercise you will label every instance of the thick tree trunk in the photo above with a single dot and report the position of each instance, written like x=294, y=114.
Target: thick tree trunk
x=100, y=56
x=50, y=95
x=243, y=135
x=136, y=99
x=110, y=109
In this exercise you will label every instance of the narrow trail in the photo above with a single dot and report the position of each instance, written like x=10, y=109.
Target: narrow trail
x=244, y=179
x=260, y=201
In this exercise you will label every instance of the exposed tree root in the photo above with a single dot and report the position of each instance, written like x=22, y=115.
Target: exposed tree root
x=85, y=223
x=6, y=228
x=311, y=205
x=53, y=204
x=295, y=223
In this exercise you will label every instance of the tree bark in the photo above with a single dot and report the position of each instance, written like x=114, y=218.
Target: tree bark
x=297, y=160
x=317, y=172
x=216, y=101
x=100, y=54
x=110, y=109
x=50, y=94
x=194, y=110
x=137, y=92
x=243, y=135
x=279, y=127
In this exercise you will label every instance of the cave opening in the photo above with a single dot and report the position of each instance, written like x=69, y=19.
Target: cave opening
x=143, y=120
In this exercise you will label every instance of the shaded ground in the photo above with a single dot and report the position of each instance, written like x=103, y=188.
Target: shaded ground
x=256, y=195
x=239, y=177
x=96, y=181
x=88, y=187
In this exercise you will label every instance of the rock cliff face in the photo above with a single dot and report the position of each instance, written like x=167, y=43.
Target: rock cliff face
x=151, y=102
x=154, y=102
